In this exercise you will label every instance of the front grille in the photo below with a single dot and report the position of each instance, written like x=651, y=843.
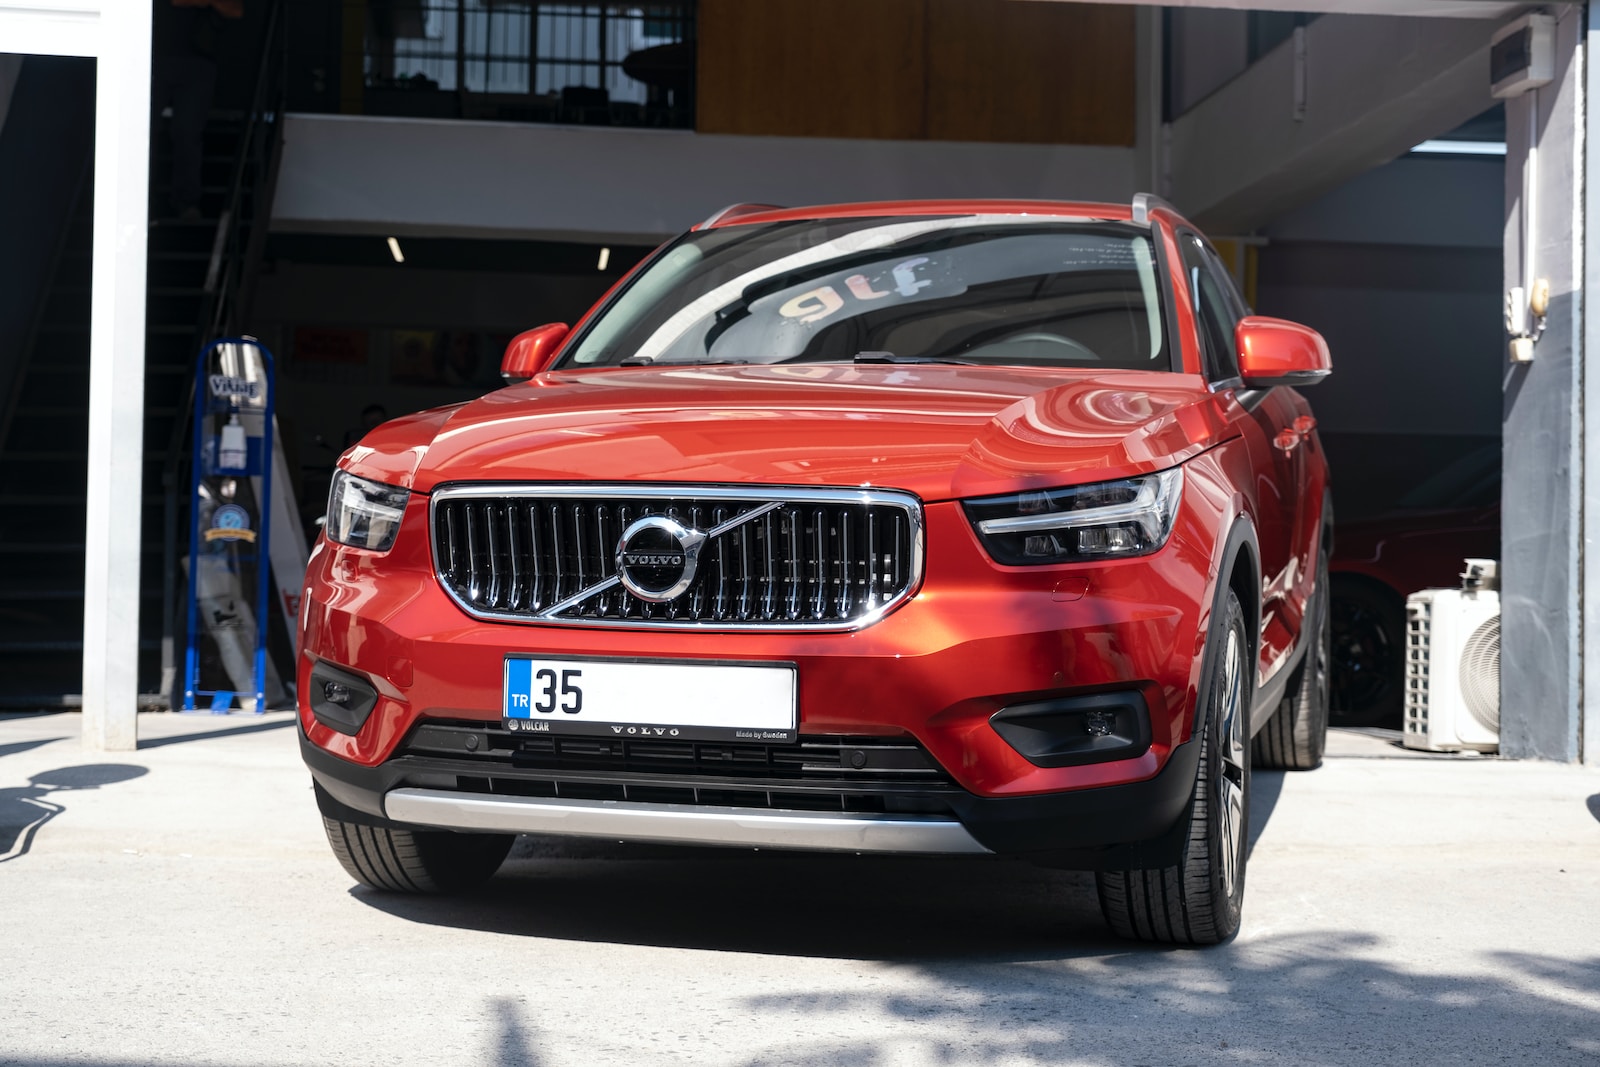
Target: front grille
x=782, y=558
x=817, y=773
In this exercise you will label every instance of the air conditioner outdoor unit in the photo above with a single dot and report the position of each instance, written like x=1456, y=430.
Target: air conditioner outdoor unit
x=1453, y=664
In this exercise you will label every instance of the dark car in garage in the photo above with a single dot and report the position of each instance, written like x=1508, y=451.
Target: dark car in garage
x=1420, y=542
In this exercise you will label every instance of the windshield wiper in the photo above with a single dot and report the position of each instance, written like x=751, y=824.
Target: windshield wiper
x=651, y=361
x=890, y=357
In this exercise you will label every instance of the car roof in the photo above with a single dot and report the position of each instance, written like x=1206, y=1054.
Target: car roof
x=1137, y=212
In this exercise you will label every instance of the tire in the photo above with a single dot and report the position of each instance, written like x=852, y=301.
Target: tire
x=1367, y=624
x=416, y=861
x=1198, y=900
x=1297, y=734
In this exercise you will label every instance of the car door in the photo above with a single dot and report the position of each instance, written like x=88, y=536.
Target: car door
x=1265, y=421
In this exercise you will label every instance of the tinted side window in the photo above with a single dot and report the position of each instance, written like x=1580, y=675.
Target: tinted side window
x=1214, y=308
x=1230, y=285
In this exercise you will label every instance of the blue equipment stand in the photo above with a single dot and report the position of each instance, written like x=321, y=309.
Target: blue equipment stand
x=229, y=519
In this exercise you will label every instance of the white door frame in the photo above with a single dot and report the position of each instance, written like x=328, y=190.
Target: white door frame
x=116, y=34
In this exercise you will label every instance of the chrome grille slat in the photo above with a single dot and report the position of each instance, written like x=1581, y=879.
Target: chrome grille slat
x=872, y=559
x=492, y=527
x=720, y=607
x=845, y=599
x=770, y=591
x=536, y=596
x=744, y=571
x=792, y=601
x=474, y=586
x=819, y=599
x=803, y=558
x=514, y=552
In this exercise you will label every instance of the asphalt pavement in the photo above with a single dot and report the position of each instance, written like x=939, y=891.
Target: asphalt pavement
x=179, y=905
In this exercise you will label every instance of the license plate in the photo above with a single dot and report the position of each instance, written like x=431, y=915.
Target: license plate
x=632, y=699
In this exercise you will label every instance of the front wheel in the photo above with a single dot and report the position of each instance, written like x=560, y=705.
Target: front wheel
x=416, y=861
x=1198, y=900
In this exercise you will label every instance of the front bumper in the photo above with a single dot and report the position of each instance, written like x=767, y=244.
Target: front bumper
x=683, y=824
x=974, y=639
x=1134, y=825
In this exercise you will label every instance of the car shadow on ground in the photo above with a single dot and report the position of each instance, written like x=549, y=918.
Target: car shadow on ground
x=772, y=903
x=1318, y=997
x=208, y=735
x=24, y=810
x=776, y=903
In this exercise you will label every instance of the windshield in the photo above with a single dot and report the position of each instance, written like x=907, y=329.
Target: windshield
x=989, y=289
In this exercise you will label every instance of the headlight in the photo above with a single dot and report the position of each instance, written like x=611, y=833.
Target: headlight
x=364, y=514
x=1106, y=520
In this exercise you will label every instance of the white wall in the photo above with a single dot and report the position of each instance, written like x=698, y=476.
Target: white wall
x=358, y=174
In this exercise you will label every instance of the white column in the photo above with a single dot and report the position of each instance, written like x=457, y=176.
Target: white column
x=116, y=378
x=1542, y=492
x=1589, y=377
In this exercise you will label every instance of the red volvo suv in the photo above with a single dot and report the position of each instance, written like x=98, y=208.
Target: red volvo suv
x=958, y=527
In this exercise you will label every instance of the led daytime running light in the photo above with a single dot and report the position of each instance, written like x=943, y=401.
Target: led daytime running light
x=1151, y=508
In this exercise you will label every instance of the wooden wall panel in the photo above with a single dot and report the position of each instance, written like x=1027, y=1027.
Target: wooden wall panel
x=812, y=68
x=944, y=70
x=1055, y=73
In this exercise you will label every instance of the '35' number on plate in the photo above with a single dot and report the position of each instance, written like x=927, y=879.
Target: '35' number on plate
x=554, y=692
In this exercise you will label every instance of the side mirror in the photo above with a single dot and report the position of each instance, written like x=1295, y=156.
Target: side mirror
x=1279, y=352
x=532, y=351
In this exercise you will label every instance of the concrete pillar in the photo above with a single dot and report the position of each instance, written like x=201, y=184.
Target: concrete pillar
x=1589, y=378
x=116, y=378
x=1149, y=157
x=1542, y=646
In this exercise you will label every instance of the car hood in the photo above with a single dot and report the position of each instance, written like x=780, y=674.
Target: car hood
x=939, y=431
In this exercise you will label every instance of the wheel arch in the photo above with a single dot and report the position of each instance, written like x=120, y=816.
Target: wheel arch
x=1238, y=569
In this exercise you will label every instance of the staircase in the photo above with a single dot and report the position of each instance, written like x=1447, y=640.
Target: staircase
x=197, y=271
x=43, y=467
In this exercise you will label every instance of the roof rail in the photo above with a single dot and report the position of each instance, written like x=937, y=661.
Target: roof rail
x=733, y=211
x=1144, y=203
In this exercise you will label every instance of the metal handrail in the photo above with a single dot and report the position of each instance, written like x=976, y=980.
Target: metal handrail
x=221, y=309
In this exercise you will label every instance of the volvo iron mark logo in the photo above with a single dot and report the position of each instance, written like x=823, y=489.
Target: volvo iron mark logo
x=657, y=558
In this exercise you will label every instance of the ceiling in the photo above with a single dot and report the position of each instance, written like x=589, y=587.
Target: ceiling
x=1450, y=9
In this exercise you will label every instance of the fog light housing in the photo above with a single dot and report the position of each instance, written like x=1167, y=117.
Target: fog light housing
x=340, y=700
x=1070, y=731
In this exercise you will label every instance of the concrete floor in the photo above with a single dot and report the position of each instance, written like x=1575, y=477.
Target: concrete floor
x=179, y=905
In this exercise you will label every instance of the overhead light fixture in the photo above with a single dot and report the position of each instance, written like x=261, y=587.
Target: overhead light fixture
x=1462, y=148
x=605, y=257
x=394, y=250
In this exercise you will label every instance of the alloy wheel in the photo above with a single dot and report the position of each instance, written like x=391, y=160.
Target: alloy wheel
x=1234, y=766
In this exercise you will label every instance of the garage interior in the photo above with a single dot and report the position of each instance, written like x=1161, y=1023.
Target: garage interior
x=393, y=188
